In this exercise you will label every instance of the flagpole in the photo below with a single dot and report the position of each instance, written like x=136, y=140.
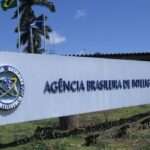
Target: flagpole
x=44, y=35
x=18, y=4
x=31, y=38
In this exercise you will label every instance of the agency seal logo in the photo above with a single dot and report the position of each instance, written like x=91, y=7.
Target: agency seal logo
x=11, y=87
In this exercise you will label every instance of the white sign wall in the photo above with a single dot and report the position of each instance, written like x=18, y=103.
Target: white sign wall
x=35, y=87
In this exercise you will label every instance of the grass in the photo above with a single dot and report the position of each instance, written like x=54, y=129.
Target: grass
x=137, y=139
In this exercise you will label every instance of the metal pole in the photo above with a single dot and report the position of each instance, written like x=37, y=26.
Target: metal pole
x=19, y=43
x=31, y=39
x=53, y=43
x=44, y=35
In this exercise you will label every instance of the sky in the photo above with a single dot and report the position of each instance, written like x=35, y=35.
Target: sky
x=89, y=26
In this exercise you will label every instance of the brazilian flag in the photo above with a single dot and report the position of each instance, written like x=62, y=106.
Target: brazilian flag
x=7, y=4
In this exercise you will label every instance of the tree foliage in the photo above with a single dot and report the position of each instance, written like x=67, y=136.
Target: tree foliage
x=27, y=17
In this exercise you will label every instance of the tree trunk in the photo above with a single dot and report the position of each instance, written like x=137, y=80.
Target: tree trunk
x=69, y=122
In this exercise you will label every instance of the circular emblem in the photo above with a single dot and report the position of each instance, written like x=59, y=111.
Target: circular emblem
x=11, y=87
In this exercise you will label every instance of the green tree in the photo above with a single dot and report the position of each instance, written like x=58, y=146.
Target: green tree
x=27, y=18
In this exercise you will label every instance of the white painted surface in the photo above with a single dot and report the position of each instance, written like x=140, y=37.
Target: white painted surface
x=37, y=69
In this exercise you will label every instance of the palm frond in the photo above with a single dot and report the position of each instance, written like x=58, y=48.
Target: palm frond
x=45, y=3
